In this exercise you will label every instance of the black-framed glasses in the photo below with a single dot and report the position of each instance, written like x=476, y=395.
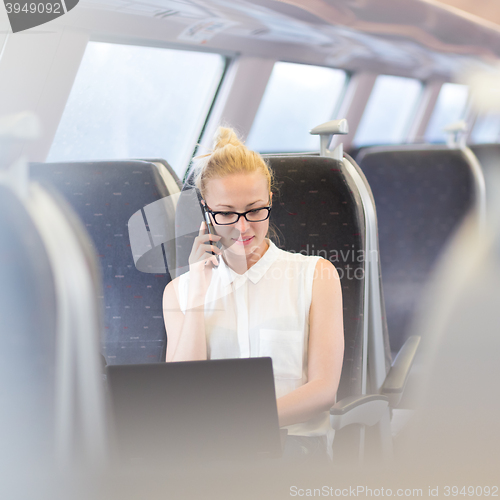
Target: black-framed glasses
x=255, y=215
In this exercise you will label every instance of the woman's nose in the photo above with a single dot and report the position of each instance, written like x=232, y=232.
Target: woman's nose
x=242, y=225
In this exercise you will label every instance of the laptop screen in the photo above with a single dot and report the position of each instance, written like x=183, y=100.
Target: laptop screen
x=217, y=409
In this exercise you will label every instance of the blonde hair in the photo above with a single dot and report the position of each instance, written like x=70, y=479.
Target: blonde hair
x=229, y=156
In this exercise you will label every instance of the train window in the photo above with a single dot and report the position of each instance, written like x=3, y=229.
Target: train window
x=389, y=111
x=486, y=129
x=134, y=101
x=298, y=97
x=450, y=107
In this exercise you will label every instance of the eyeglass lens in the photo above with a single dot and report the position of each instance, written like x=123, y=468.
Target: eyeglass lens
x=231, y=217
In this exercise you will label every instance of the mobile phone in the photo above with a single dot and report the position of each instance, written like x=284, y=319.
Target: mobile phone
x=211, y=228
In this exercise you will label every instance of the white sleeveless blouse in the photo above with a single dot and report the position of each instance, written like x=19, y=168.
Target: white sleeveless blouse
x=264, y=312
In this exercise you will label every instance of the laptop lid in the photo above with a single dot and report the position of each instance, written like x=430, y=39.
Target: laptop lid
x=217, y=409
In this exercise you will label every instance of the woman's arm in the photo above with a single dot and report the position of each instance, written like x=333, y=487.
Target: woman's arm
x=185, y=332
x=186, y=339
x=325, y=352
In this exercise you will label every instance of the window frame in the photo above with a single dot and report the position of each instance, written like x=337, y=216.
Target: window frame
x=410, y=122
x=340, y=100
x=228, y=58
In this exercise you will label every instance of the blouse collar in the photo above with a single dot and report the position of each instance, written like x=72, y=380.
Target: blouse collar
x=255, y=273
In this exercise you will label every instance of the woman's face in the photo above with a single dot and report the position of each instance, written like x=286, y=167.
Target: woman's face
x=239, y=193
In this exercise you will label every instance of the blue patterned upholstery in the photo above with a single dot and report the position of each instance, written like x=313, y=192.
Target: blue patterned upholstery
x=421, y=196
x=316, y=211
x=105, y=194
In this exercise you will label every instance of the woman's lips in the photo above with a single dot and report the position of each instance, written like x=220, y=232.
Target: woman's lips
x=244, y=241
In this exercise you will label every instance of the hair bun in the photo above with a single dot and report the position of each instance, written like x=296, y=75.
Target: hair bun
x=229, y=156
x=225, y=136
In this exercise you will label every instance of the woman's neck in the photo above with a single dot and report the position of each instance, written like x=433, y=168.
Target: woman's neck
x=240, y=264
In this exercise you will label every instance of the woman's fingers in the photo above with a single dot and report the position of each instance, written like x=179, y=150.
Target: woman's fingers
x=208, y=255
x=204, y=235
x=212, y=259
x=214, y=249
x=203, y=248
x=205, y=238
x=206, y=246
x=204, y=252
x=208, y=237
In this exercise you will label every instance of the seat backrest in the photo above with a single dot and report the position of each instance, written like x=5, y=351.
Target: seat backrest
x=421, y=194
x=51, y=320
x=106, y=195
x=316, y=211
x=488, y=156
x=461, y=359
x=28, y=327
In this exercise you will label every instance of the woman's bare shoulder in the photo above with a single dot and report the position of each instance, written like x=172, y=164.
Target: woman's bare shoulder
x=172, y=287
x=325, y=270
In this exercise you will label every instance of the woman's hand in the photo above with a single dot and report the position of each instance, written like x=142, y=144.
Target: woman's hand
x=201, y=263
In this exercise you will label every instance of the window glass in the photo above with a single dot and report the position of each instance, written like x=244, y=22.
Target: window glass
x=389, y=111
x=450, y=108
x=298, y=97
x=486, y=129
x=136, y=102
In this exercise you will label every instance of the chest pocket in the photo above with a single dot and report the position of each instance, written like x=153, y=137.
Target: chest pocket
x=285, y=347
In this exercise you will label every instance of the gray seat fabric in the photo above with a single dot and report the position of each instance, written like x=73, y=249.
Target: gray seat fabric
x=421, y=197
x=317, y=212
x=488, y=156
x=105, y=194
x=458, y=407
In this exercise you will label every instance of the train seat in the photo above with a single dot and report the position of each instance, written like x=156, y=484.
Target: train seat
x=315, y=211
x=457, y=435
x=29, y=325
x=118, y=203
x=52, y=395
x=488, y=156
x=422, y=193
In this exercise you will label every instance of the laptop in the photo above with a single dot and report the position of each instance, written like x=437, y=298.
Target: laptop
x=205, y=410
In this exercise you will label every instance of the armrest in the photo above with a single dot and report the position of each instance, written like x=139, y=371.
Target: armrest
x=398, y=374
x=365, y=410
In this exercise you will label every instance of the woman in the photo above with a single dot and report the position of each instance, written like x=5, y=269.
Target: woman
x=249, y=298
